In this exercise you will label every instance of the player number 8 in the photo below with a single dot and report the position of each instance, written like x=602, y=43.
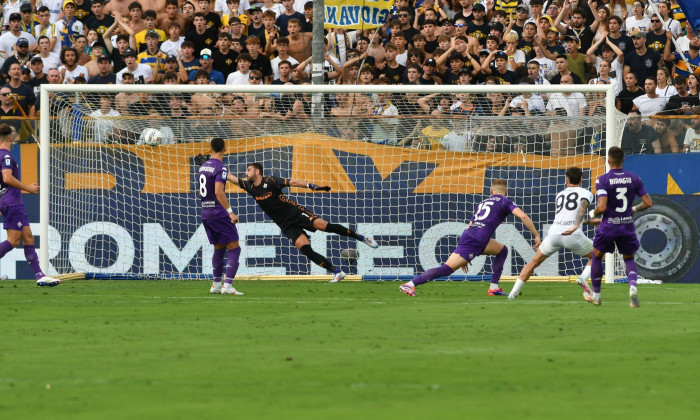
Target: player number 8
x=202, y=185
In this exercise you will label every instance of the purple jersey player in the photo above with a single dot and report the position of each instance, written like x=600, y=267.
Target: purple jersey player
x=476, y=240
x=293, y=218
x=616, y=190
x=218, y=219
x=15, y=220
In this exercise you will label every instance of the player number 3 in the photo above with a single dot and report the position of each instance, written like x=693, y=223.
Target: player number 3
x=623, y=200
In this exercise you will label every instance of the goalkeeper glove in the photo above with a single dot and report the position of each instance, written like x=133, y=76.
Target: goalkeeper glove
x=200, y=159
x=315, y=187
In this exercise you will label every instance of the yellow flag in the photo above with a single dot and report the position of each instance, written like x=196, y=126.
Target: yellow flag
x=357, y=14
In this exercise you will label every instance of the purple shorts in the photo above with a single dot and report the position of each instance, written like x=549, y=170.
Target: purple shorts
x=470, y=247
x=219, y=229
x=14, y=217
x=609, y=235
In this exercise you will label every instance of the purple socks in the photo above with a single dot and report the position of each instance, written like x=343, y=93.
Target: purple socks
x=497, y=265
x=597, y=273
x=29, y=254
x=33, y=260
x=432, y=274
x=217, y=263
x=5, y=247
x=631, y=271
x=232, y=264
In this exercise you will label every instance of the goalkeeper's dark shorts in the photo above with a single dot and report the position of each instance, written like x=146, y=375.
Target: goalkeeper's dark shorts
x=295, y=225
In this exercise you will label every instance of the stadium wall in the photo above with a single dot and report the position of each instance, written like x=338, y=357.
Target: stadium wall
x=175, y=242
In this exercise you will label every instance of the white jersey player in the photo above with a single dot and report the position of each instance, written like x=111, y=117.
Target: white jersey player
x=571, y=207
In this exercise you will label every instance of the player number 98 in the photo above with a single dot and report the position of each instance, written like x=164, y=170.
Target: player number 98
x=570, y=202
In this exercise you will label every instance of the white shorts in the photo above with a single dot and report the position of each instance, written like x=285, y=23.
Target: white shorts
x=578, y=243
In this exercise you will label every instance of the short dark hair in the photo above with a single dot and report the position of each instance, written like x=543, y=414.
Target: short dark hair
x=170, y=76
x=574, y=174
x=150, y=14
x=201, y=73
x=5, y=130
x=579, y=11
x=283, y=40
x=199, y=14
x=616, y=155
x=217, y=144
x=43, y=9
x=257, y=166
x=245, y=57
x=135, y=5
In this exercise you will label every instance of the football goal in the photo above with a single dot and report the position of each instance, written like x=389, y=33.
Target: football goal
x=406, y=165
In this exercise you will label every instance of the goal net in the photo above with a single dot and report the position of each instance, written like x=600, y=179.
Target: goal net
x=406, y=165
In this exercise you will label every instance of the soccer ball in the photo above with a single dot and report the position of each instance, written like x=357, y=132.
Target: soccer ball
x=151, y=136
x=349, y=255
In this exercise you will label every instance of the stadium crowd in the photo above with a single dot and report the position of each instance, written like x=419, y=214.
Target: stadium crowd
x=644, y=48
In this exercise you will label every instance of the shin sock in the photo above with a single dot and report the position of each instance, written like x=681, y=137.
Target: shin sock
x=232, y=264
x=217, y=263
x=432, y=274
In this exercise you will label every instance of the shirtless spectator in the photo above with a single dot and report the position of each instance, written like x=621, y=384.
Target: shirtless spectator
x=200, y=101
x=124, y=99
x=299, y=42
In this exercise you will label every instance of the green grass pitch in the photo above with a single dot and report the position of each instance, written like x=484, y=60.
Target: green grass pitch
x=309, y=350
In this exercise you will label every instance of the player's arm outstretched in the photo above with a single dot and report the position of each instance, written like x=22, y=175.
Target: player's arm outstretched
x=309, y=185
x=579, y=217
x=219, y=191
x=529, y=225
x=10, y=180
x=232, y=178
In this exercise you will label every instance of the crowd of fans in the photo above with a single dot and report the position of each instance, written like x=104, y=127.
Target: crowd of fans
x=642, y=47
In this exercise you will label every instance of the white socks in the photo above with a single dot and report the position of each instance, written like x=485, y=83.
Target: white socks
x=585, y=274
x=516, y=288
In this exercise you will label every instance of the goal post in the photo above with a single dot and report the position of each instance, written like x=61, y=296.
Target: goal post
x=122, y=209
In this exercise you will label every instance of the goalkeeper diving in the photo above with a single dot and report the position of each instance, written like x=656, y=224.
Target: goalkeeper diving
x=292, y=218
